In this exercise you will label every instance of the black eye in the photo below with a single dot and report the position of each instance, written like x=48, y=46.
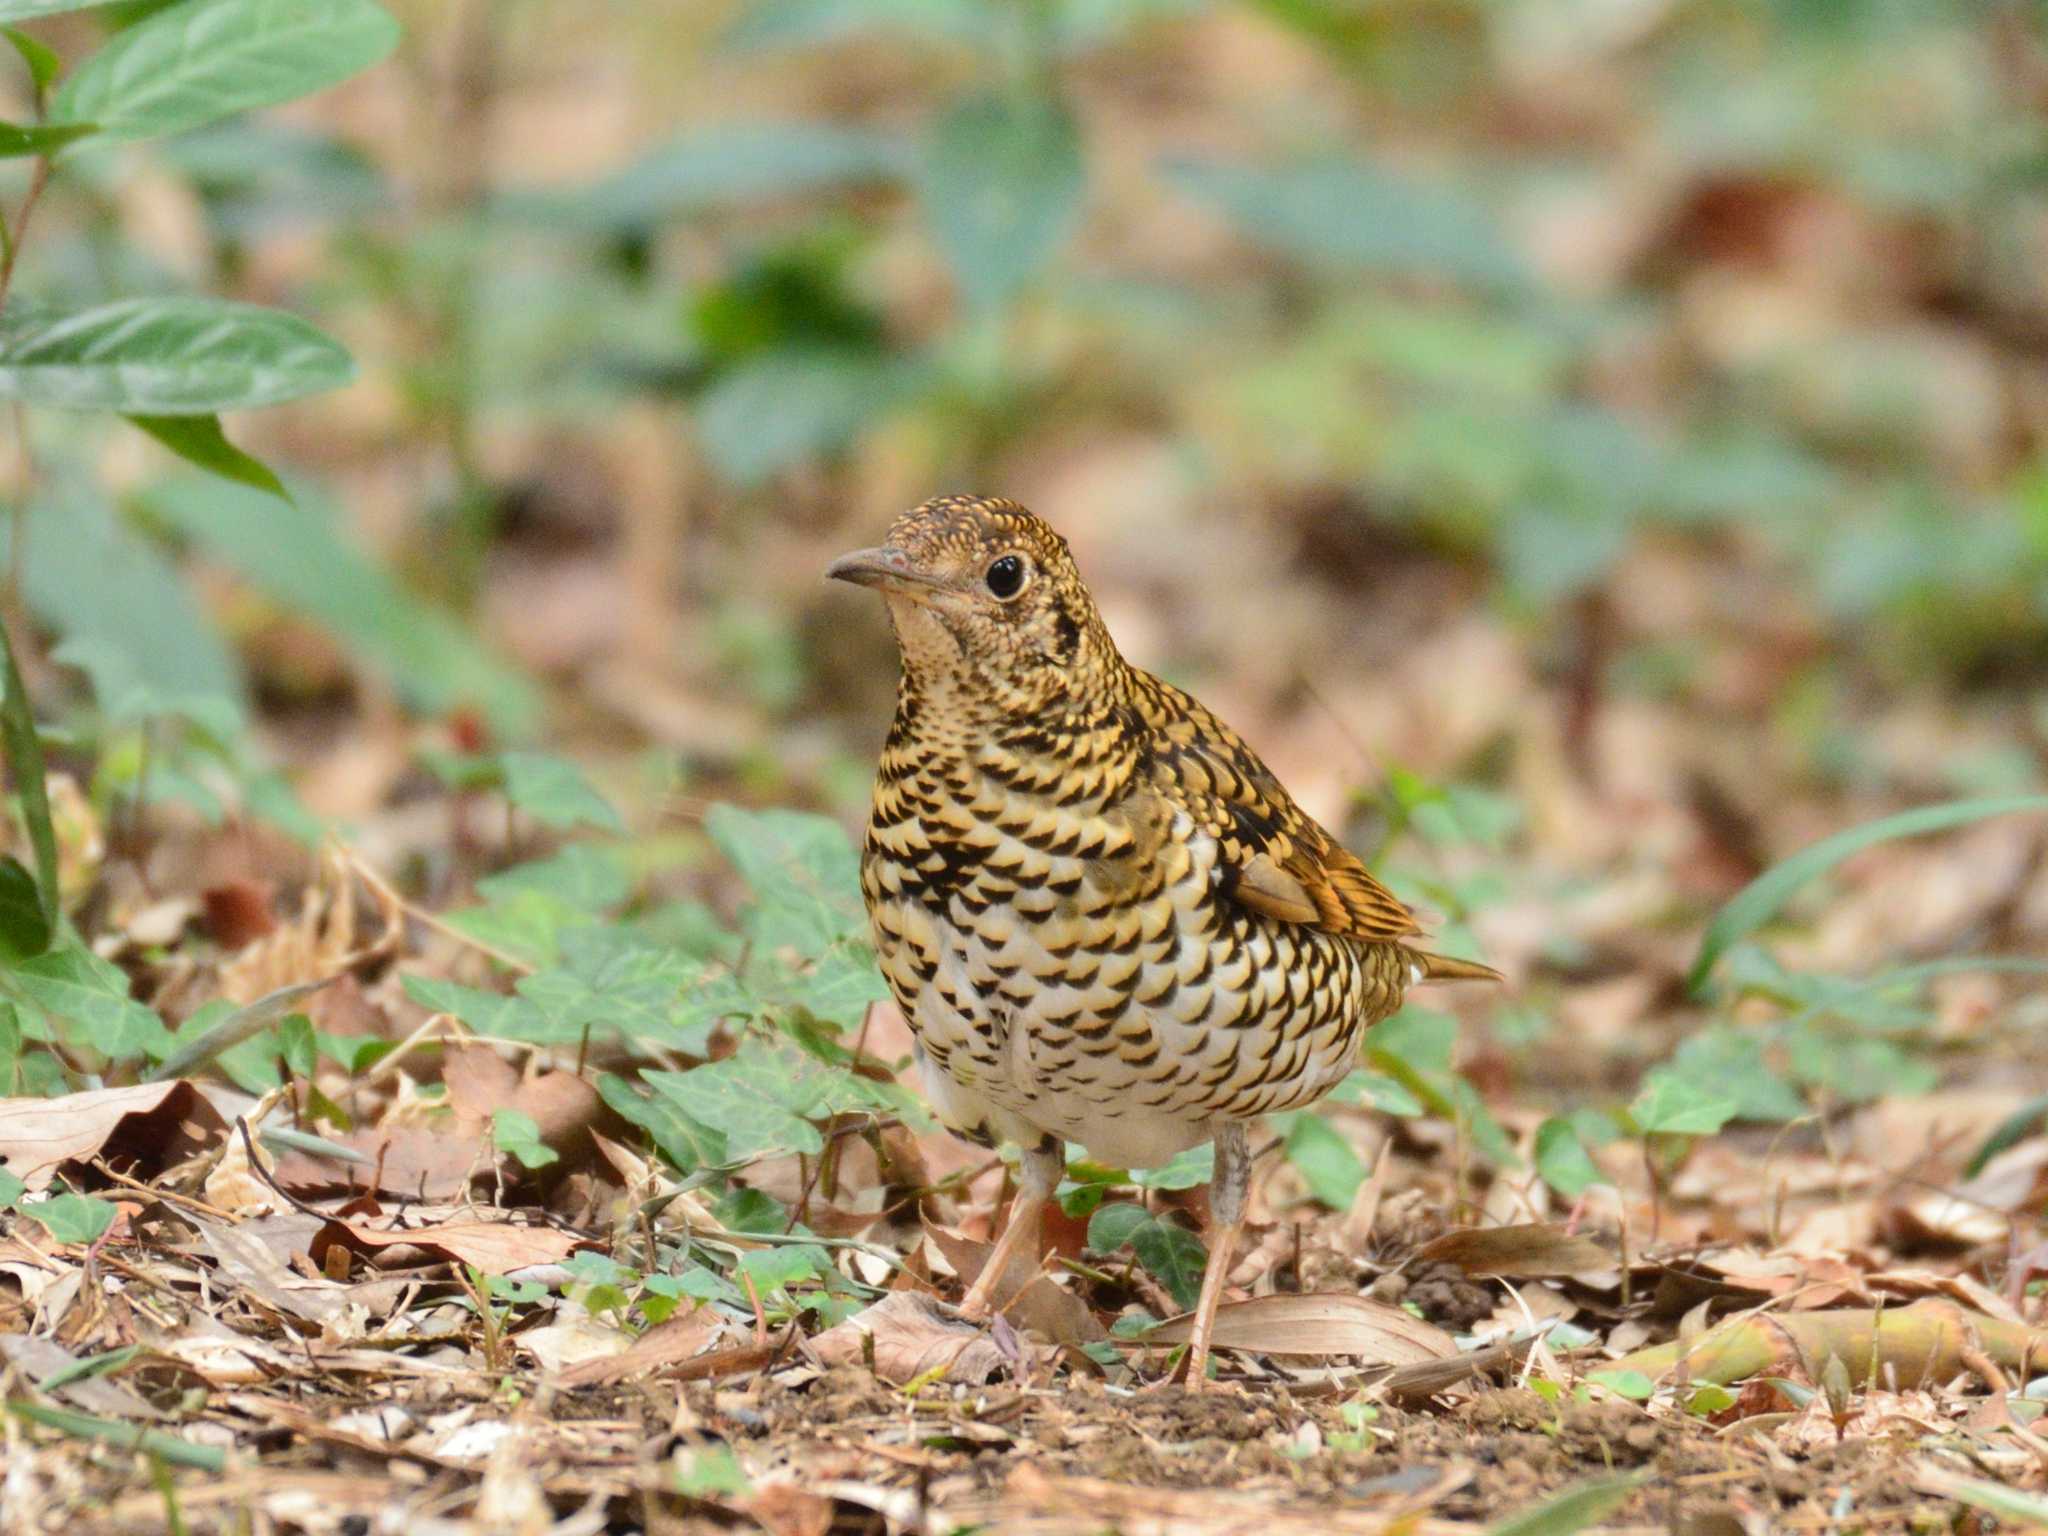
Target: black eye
x=1006, y=576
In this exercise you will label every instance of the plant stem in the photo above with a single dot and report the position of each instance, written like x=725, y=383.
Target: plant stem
x=38, y=179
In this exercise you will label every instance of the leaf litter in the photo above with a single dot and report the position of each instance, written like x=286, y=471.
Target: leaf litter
x=402, y=1311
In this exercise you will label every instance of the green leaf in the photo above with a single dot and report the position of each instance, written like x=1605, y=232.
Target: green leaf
x=1726, y=1062
x=554, y=792
x=1563, y=1161
x=73, y=1218
x=166, y=356
x=41, y=60
x=1672, y=1106
x=612, y=981
x=24, y=10
x=91, y=994
x=229, y=1028
x=764, y=1097
x=206, y=59
x=1329, y=1166
x=491, y=1014
x=803, y=871
x=127, y=615
x=1573, y=1510
x=1184, y=1170
x=721, y=165
x=11, y=1188
x=1113, y=1226
x=1761, y=900
x=517, y=1132
x=17, y=139
x=295, y=553
x=685, y=1142
x=1002, y=184
x=1356, y=215
x=198, y=440
x=795, y=405
x=711, y=1472
x=297, y=1045
x=23, y=749
x=25, y=926
x=1171, y=1254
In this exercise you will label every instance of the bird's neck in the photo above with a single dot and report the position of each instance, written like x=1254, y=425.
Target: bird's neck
x=1066, y=736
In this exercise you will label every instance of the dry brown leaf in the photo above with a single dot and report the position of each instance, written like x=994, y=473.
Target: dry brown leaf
x=1534, y=1251
x=1042, y=1306
x=580, y=1341
x=680, y=1338
x=495, y=1247
x=259, y=1268
x=152, y=1123
x=1330, y=1323
x=913, y=1337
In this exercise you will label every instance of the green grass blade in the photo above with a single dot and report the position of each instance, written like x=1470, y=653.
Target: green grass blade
x=155, y=1442
x=1759, y=901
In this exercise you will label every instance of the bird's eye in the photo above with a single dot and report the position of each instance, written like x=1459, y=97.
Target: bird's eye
x=1006, y=576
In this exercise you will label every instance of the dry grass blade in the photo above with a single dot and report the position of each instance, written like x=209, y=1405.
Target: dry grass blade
x=1327, y=1324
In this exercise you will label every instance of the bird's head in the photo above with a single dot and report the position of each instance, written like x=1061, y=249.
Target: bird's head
x=985, y=598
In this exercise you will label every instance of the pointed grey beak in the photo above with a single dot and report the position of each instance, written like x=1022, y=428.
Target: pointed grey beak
x=878, y=567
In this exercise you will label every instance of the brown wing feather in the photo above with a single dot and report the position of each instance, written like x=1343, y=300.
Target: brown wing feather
x=1282, y=863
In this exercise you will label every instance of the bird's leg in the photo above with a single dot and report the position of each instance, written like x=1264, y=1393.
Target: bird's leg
x=1226, y=1221
x=1038, y=1175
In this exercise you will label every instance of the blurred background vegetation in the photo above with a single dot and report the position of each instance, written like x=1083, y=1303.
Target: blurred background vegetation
x=1591, y=447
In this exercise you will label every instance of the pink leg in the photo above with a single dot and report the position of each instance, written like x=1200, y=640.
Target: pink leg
x=1038, y=1175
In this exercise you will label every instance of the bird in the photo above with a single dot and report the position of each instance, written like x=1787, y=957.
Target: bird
x=1104, y=918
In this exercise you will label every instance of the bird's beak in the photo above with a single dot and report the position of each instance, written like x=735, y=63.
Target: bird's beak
x=882, y=566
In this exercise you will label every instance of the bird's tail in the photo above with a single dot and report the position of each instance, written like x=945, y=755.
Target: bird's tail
x=1428, y=968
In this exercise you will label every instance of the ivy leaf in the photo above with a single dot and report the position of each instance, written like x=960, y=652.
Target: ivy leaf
x=803, y=872
x=1329, y=1166
x=91, y=994
x=1563, y=1161
x=73, y=1218
x=554, y=792
x=1672, y=1106
x=1171, y=1254
x=686, y=1142
x=516, y=1132
x=764, y=1097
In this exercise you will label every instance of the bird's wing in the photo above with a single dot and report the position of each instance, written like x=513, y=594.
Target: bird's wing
x=1278, y=860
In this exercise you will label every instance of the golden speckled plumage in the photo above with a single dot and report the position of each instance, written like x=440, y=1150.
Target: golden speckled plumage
x=1105, y=919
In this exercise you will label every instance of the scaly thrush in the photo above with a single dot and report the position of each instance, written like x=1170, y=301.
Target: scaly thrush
x=1105, y=920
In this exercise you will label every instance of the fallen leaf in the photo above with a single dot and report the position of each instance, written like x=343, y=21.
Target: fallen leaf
x=579, y=1341
x=914, y=1336
x=1533, y=1251
x=1046, y=1308
x=1331, y=1323
x=154, y=1124
x=495, y=1247
x=680, y=1338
